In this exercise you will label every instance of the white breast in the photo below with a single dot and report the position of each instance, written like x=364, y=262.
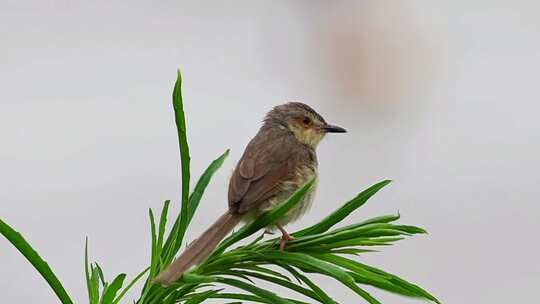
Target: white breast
x=304, y=175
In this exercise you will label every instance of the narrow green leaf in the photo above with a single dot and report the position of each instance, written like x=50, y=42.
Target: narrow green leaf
x=263, y=293
x=362, y=241
x=322, y=295
x=110, y=293
x=105, y=288
x=363, y=276
x=17, y=240
x=278, y=281
x=174, y=241
x=309, y=263
x=255, y=241
x=342, y=212
x=128, y=287
x=363, y=269
x=192, y=278
x=201, y=297
x=376, y=220
x=162, y=225
x=381, y=283
x=100, y=273
x=202, y=183
x=94, y=285
x=248, y=297
x=178, y=105
x=264, y=270
x=169, y=249
x=266, y=219
x=233, y=273
x=410, y=229
x=382, y=219
x=342, y=235
x=154, y=256
x=240, y=296
x=290, y=269
x=352, y=251
x=383, y=233
x=87, y=271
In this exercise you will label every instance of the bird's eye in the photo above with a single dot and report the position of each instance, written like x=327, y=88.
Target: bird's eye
x=306, y=121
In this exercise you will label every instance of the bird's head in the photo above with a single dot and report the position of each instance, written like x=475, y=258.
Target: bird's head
x=308, y=126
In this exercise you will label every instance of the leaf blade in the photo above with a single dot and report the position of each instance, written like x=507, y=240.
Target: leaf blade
x=202, y=183
x=31, y=255
x=108, y=296
x=265, y=219
x=342, y=212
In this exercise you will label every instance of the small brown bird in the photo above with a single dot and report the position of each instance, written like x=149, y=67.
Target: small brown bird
x=277, y=161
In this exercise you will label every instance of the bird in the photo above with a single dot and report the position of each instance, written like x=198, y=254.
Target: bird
x=279, y=160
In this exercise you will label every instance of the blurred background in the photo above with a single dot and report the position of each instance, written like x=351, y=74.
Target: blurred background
x=441, y=97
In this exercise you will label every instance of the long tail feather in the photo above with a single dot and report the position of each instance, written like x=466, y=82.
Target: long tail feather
x=199, y=249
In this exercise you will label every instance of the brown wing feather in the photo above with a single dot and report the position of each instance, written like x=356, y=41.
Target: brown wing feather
x=267, y=162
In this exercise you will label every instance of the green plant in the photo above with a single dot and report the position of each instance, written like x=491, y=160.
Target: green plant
x=320, y=249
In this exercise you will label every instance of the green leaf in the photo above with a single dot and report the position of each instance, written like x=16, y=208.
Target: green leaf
x=234, y=273
x=202, y=183
x=325, y=298
x=128, y=287
x=352, y=251
x=309, y=263
x=178, y=105
x=376, y=220
x=110, y=293
x=162, y=225
x=279, y=281
x=264, y=270
x=265, y=219
x=180, y=225
x=87, y=271
x=194, y=200
x=248, y=297
x=201, y=297
x=410, y=229
x=381, y=219
x=263, y=293
x=363, y=231
x=94, y=285
x=105, y=287
x=342, y=212
x=397, y=284
x=240, y=296
x=363, y=241
x=154, y=254
x=100, y=273
x=17, y=240
x=363, y=276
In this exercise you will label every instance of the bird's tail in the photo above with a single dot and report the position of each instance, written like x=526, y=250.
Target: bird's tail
x=199, y=249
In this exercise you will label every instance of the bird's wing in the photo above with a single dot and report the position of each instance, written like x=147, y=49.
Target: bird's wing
x=267, y=162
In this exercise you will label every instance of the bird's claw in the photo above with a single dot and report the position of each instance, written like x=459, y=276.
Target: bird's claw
x=284, y=239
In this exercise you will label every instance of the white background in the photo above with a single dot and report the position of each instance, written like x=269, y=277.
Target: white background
x=441, y=97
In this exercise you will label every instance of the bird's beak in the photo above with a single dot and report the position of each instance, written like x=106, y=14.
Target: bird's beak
x=333, y=129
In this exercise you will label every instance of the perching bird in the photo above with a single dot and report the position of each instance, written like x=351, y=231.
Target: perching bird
x=277, y=161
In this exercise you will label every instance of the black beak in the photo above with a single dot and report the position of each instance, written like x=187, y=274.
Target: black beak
x=334, y=129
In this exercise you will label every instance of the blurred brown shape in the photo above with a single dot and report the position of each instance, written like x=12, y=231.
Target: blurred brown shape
x=376, y=53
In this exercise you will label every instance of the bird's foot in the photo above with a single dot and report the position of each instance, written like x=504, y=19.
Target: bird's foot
x=285, y=237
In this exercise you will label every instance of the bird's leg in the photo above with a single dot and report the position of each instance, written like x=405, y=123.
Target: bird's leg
x=285, y=237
